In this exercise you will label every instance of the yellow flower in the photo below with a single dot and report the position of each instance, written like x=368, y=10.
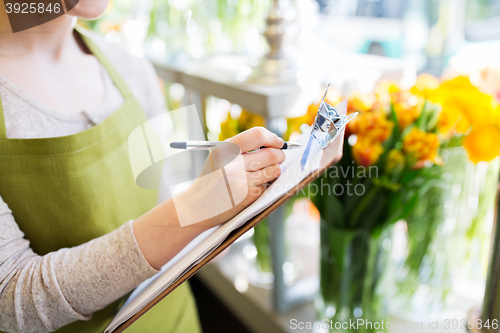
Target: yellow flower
x=293, y=124
x=477, y=107
x=459, y=82
x=249, y=120
x=395, y=161
x=425, y=85
x=373, y=125
x=384, y=91
x=483, y=143
x=246, y=120
x=464, y=106
x=228, y=128
x=451, y=120
x=366, y=152
x=420, y=146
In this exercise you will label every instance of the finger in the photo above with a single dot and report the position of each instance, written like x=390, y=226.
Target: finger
x=255, y=138
x=262, y=158
x=256, y=191
x=253, y=194
x=263, y=176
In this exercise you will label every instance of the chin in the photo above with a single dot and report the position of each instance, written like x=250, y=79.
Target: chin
x=87, y=9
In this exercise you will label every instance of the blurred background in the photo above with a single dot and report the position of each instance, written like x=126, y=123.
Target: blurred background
x=427, y=32
x=420, y=244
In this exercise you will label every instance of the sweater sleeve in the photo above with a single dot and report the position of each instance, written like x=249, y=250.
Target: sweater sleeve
x=44, y=293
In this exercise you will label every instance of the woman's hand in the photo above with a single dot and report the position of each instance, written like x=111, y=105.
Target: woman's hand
x=261, y=165
x=233, y=177
x=159, y=232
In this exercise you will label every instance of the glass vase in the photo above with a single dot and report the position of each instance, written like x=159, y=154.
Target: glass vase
x=301, y=234
x=441, y=250
x=352, y=264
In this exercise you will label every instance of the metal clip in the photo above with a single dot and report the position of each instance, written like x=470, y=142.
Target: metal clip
x=329, y=122
x=327, y=126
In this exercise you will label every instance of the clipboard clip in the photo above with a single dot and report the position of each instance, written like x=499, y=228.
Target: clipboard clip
x=327, y=126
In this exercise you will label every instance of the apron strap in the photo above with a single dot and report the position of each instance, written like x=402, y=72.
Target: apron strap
x=3, y=131
x=113, y=73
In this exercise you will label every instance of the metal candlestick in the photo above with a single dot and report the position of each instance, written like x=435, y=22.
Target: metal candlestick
x=277, y=66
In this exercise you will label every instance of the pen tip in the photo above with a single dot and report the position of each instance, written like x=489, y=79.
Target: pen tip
x=291, y=145
x=178, y=145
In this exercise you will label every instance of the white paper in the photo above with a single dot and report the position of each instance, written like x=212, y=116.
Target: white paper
x=205, y=243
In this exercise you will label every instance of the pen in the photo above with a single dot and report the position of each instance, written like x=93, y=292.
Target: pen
x=202, y=145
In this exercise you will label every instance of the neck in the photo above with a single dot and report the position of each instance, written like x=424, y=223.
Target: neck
x=52, y=39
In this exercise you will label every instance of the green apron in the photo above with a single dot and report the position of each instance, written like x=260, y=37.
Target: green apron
x=65, y=191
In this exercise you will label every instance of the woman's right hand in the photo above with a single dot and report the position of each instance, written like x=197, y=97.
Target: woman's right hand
x=231, y=182
x=160, y=234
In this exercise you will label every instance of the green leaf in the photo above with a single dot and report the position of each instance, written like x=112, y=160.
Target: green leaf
x=394, y=118
x=391, y=142
x=421, y=122
x=384, y=182
x=435, y=112
x=365, y=201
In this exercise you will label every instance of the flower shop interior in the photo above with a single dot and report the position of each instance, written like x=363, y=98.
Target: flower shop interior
x=401, y=232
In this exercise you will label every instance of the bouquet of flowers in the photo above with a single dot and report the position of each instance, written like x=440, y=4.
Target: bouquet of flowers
x=392, y=161
x=392, y=169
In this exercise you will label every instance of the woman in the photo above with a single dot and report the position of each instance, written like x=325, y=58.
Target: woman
x=76, y=233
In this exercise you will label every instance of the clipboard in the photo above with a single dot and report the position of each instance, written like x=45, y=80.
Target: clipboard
x=332, y=152
x=233, y=236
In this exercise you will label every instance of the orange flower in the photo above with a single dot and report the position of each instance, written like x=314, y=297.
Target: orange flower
x=373, y=125
x=310, y=115
x=407, y=108
x=483, y=143
x=366, y=152
x=420, y=146
x=361, y=103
